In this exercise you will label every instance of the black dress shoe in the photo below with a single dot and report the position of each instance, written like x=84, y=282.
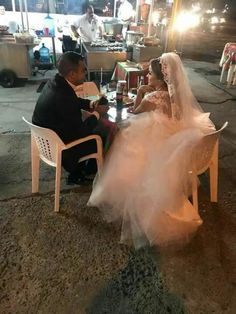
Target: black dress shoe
x=91, y=167
x=78, y=180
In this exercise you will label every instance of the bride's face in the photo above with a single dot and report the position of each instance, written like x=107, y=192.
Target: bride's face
x=152, y=79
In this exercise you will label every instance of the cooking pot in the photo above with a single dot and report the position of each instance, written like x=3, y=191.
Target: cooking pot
x=133, y=37
x=112, y=28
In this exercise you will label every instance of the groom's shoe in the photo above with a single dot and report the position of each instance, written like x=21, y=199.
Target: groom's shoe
x=80, y=180
x=90, y=168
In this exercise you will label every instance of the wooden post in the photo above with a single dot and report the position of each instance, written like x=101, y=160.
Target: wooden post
x=26, y=15
x=22, y=18
x=150, y=18
x=137, y=11
x=114, y=13
x=13, y=5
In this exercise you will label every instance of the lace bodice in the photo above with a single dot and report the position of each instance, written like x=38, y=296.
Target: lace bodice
x=158, y=100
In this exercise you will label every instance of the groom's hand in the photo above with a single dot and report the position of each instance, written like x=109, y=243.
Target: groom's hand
x=101, y=101
x=102, y=110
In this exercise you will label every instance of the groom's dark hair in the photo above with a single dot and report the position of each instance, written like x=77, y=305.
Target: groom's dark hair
x=68, y=61
x=156, y=68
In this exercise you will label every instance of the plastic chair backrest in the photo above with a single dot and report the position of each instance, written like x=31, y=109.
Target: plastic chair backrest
x=203, y=151
x=47, y=141
x=87, y=89
x=228, y=49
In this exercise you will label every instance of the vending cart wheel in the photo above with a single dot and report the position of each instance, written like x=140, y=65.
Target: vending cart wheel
x=7, y=78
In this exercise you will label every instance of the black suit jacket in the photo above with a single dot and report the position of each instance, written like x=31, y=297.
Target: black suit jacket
x=59, y=109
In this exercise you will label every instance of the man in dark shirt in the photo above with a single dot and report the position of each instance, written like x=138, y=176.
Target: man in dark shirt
x=59, y=109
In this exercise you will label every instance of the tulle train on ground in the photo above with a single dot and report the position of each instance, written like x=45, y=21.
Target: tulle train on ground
x=146, y=183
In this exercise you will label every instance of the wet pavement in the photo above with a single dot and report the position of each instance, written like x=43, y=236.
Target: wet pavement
x=207, y=44
x=72, y=262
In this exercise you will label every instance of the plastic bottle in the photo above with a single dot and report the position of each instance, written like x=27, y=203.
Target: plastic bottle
x=48, y=26
x=103, y=88
x=125, y=90
x=44, y=54
x=119, y=96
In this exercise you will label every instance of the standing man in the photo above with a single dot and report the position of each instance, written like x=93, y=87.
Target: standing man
x=59, y=109
x=125, y=14
x=125, y=11
x=4, y=21
x=88, y=27
x=69, y=41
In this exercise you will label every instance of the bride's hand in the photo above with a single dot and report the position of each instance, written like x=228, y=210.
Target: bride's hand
x=131, y=109
x=129, y=104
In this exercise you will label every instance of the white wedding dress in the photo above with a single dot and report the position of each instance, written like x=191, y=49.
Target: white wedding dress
x=145, y=179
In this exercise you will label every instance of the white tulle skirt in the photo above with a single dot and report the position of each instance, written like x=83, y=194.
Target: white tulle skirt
x=145, y=181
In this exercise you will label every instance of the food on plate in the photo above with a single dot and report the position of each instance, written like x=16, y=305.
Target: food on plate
x=127, y=101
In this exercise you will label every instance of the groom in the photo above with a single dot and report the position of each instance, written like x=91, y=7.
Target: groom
x=59, y=109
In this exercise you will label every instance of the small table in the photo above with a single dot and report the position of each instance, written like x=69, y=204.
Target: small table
x=114, y=115
x=118, y=116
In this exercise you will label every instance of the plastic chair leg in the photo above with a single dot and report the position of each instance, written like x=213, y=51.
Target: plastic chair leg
x=99, y=160
x=195, y=191
x=57, y=185
x=230, y=75
x=222, y=73
x=234, y=76
x=234, y=81
x=223, y=56
x=214, y=175
x=35, y=161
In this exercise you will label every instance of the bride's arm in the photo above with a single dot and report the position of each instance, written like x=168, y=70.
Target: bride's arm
x=153, y=101
x=144, y=106
x=141, y=93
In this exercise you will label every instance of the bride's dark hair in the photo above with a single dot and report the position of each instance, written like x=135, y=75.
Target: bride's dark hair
x=156, y=69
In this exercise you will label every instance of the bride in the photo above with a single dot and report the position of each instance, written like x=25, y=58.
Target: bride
x=145, y=181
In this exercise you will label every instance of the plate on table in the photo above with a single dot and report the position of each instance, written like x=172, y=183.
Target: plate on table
x=128, y=101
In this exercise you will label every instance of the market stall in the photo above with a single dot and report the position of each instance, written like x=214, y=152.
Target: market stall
x=116, y=46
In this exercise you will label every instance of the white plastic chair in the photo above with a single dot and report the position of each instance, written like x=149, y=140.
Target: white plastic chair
x=204, y=157
x=87, y=89
x=225, y=62
x=47, y=145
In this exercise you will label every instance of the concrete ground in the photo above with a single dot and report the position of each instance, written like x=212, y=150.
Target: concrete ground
x=72, y=262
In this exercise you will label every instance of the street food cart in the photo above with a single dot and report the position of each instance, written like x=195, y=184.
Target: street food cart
x=16, y=57
x=102, y=56
x=16, y=51
x=15, y=62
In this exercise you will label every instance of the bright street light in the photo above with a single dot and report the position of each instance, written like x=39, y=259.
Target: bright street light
x=186, y=20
